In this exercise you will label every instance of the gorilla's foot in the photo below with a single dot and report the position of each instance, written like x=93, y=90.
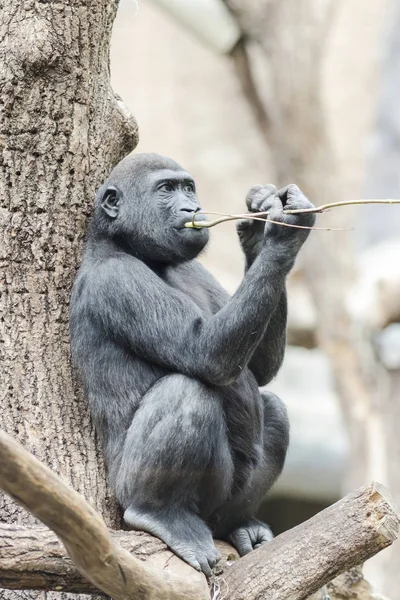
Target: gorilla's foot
x=250, y=536
x=183, y=532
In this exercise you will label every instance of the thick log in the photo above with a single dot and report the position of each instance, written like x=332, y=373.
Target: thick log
x=292, y=566
x=300, y=561
x=33, y=558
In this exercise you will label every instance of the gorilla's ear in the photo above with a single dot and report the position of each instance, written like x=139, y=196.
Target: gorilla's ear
x=111, y=200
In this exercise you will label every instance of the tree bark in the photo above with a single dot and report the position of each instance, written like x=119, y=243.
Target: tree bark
x=62, y=130
x=291, y=566
x=33, y=558
x=94, y=551
x=301, y=560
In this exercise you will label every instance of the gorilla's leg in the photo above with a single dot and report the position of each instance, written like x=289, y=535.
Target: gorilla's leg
x=176, y=465
x=239, y=526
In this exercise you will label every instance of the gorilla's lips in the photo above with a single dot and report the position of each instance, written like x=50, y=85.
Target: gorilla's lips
x=190, y=223
x=196, y=218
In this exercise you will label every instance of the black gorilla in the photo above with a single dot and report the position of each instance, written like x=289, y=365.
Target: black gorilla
x=172, y=364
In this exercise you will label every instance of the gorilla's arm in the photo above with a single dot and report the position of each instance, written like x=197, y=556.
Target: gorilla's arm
x=268, y=355
x=163, y=326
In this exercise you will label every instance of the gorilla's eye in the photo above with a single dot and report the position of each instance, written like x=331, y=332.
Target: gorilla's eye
x=188, y=188
x=166, y=187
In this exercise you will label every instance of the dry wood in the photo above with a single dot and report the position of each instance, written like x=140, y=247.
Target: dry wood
x=94, y=552
x=33, y=558
x=300, y=561
x=292, y=566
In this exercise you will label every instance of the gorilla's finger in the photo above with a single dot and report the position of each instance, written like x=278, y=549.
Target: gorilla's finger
x=205, y=566
x=252, y=193
x=266, y=204
x=264, y=196
x=212, y=561
x=291, y=194
x=242, y=542
x=243, y=225
x=276, y=210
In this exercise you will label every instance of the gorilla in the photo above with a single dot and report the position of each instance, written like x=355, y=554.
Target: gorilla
x=172, y=364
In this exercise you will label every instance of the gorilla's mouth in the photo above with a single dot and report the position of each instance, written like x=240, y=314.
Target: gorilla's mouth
x=192, y=219
x=191, y=229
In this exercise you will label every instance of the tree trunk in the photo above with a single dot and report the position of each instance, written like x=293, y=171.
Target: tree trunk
x=63, y=129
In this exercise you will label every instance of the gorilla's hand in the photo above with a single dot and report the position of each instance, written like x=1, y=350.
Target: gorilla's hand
x=289, y=198
x=251, y=233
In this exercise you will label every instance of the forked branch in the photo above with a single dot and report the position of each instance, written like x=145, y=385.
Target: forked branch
x=98, y=556
x=291, y=567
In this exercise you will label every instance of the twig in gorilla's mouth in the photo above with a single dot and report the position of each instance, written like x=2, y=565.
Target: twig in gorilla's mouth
x=263, y=215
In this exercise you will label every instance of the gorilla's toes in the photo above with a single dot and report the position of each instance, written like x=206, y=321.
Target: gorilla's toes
x=184, y=532
x=249, y=536
x=202, y=556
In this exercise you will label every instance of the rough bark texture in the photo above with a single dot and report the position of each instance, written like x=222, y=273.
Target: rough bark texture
x=304, y=558
x=291, y=566
x=62, y=129
x=33, y=558
x=93, y=550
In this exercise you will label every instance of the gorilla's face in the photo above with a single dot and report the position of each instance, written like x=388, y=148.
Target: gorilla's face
x=148, y=206
x=172, y=196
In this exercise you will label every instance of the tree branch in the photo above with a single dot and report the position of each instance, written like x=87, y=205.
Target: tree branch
x=300, y=561
x=95, y=553
x=32, y=558
x=292, y=566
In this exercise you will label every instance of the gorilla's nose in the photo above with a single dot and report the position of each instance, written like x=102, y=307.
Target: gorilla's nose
x=192, y=209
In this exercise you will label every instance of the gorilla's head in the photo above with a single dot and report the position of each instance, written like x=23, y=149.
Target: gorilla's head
x=144, y=205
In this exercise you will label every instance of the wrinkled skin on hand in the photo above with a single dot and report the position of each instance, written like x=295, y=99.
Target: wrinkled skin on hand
x=267, y=198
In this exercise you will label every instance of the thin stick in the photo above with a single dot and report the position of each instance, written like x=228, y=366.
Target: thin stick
x=324, y=207
x=303, y=226
x=250, y=217
x=318, y=209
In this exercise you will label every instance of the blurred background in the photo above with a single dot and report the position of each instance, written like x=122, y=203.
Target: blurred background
x=295, y=91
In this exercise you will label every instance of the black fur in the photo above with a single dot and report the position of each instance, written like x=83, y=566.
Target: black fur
x=172, y=364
